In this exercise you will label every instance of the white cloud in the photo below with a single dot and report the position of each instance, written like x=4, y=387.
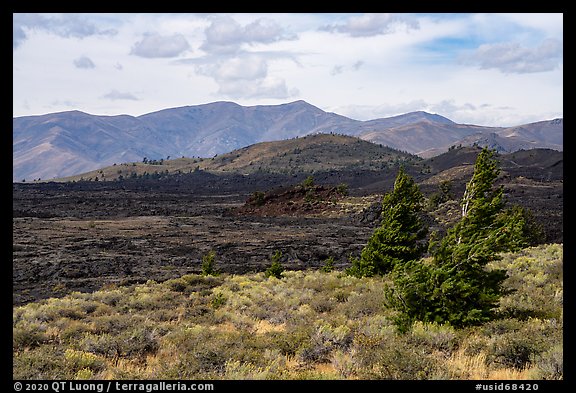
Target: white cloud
x=369, y=112
x=63, y=25
x=337, y=69
x=511, y=57
x=226, y=35
x=367, y=25
x=18, y=36
x=235, y=68
x=270, y=87
x=155, y=45
x=244, y=76
x=263, y=31
x=459, y=112
x=84, y=62
x=375, y=65
x=356, y=66
x=117, y=95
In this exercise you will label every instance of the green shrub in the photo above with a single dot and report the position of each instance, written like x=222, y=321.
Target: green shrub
x=360, y=305
x=74, y=330
x=218, y=300
x=522, y=342
x=193, y=283
x=550, y=364
x=321, y=304
x=391, y=357
x=289, y=342
x=324, y=340
x=259, y=198
x=106, y=345
x=433, y=337
x=402, y=363
x=78, y=360
x=140, y=341
x=177, y=285
x=514, y=350
x=328, y=265
x=28, y=335
x=42, y=363
x=342, y=189
x=208, y=268
x=276, y=268
x=308, y=182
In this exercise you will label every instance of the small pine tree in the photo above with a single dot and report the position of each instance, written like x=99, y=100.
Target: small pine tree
x=328, y=265
x=308, y=182
x=208, y=262
x=343, y=189
x=518, y=229
x=276, y=268
x=457, y=288
x=398, y=238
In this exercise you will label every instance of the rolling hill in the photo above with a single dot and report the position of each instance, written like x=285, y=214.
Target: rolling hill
x=312, y=153
x=69, y=143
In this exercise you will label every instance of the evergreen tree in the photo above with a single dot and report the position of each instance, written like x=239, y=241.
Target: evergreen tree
x=275, y=269
x=208, y=264
x=457, y=288
x=328, y=265
x=397, y=240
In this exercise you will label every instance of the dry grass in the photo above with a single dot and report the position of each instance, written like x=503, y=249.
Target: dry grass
x=475, y=367
x=308, y=325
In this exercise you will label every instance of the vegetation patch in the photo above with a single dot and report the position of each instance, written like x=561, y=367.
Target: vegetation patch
x=312, y=324
x=306, y=198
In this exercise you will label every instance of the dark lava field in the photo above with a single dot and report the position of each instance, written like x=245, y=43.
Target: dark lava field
x=87, y=235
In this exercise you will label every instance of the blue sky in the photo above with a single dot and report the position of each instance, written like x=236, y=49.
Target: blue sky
x=486, y=69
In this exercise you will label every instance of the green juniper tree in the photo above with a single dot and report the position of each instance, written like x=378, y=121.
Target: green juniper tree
x=456, y=287
x=398, y=239
x=328, y=265
x=208, y=264
x=275, y=269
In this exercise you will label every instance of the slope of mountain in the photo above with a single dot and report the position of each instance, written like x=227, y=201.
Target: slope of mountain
x=401, y=120
x=220, y=127
x=543, y=134
x=533, y=163
x=68, y=143
x=423, y=136
x=312, y=153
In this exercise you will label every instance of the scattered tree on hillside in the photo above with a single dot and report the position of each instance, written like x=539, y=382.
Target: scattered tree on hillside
x=343, y=189
x=308, y=182
x=398, y=239
x=441, y=196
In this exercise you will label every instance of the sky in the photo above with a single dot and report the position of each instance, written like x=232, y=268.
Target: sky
x=484, y=69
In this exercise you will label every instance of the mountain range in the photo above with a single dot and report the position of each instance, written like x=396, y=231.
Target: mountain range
x=68, y=143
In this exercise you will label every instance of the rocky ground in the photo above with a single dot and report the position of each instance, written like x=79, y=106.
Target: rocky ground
x=79, y=241
x=83, y=236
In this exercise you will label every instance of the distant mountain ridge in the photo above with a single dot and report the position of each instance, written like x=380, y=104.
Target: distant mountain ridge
x=68, y=143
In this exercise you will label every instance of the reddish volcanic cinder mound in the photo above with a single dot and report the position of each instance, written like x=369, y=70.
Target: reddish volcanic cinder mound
x=294, y=201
